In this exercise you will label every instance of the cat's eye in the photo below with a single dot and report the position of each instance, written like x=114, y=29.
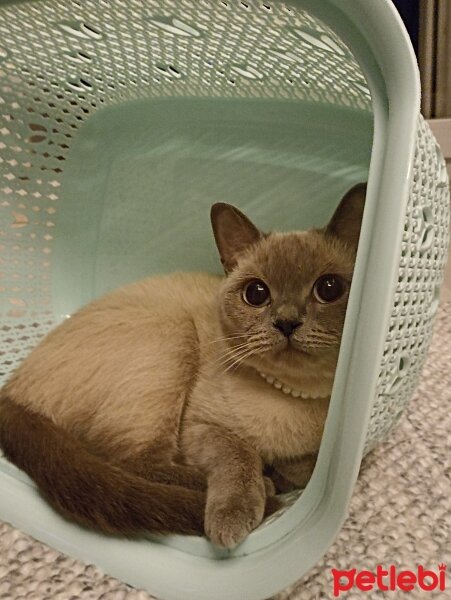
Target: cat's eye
x=328, y=288
x=256, y=293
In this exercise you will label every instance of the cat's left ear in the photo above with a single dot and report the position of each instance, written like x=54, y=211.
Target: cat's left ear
x=233, y=233
x=347, y=219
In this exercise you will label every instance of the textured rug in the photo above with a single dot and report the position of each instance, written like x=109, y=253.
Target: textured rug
x=400, y=513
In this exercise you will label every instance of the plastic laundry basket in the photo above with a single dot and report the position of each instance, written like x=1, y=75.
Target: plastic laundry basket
x=122, y=121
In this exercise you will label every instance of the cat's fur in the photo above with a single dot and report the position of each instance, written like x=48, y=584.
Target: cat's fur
x=145, y=411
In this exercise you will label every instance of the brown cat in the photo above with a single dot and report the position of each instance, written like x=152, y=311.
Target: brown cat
x=159, y=406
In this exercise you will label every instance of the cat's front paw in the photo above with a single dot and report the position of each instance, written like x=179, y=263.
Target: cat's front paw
x=229, y=521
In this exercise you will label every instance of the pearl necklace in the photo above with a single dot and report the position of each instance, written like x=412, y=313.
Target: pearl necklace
x=283, y=387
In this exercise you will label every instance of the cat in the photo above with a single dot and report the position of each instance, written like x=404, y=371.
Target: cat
x=164, y=405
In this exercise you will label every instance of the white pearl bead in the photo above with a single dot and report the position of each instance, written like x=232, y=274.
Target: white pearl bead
x=279, y=385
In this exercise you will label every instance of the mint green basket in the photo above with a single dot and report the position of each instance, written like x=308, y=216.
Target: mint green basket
x=122, y=121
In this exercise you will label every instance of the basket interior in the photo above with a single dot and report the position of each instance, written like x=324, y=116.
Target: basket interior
x=141, y=177
x=122, y=122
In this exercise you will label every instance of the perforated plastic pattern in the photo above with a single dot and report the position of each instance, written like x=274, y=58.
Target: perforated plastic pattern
x=416, y=298
x=62, y=60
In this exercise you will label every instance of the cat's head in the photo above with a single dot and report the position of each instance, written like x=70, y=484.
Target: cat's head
x=283, y=302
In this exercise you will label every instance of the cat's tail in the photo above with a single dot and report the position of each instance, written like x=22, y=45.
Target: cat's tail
x=88, y=490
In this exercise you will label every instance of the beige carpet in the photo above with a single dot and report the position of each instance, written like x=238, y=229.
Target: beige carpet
x=400, y=513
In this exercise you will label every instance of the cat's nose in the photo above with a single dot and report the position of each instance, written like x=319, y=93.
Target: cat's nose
x=286, y=326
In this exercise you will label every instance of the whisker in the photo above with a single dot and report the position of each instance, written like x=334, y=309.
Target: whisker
x=241, y=358
x=253, y=339
x=261, y=349
x=235, y=349
x=322, y=339
x=323, y=333
x=226, y=338
x=313, y=344
x=253, y=344
x=320, y=333
x=231, y=354
x=236, y=355
x=231, y=337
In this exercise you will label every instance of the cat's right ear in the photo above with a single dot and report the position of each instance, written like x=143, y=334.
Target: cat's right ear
x=233, y=233
x=347, y=218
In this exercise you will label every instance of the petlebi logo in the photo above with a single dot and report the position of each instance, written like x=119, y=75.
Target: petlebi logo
x=389, y=579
